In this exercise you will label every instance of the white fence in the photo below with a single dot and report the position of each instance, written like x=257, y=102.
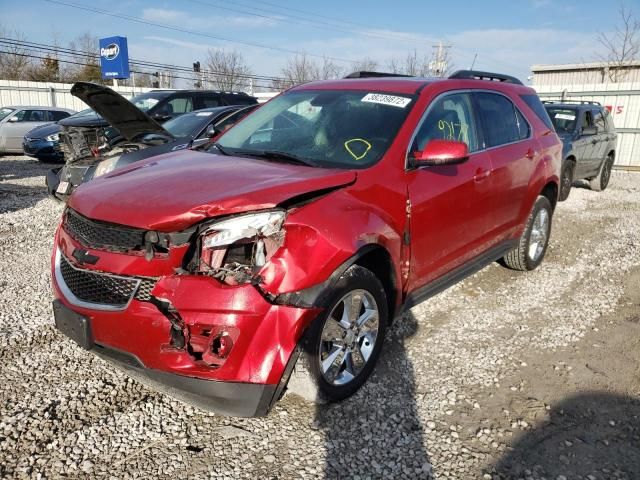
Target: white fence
x=46, y=94
x=622, y=99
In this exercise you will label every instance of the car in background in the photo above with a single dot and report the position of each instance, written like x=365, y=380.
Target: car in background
x=278, y=257
x=589, y=142
x=43, y=142
x=15, y=121
x=162, y=105
x=190, y=130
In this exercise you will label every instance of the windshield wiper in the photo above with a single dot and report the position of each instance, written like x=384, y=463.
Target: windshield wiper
x=220, y=149
x=277, y=155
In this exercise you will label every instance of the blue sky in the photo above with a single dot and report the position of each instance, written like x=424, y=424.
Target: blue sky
x=508, y=36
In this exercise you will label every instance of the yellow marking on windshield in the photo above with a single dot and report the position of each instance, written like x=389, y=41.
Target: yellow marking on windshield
x=357, y=157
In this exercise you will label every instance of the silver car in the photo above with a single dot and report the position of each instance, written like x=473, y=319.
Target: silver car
x=18, y=120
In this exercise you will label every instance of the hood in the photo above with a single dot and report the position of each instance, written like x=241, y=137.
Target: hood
x=121, y=114
x=44, y=130
x=173, y=191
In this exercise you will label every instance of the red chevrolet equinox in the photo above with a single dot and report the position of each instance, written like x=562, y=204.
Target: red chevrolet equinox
x=288, y=248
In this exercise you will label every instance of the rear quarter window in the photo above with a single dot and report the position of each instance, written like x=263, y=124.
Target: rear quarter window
x=534, y=103
x=55, y=115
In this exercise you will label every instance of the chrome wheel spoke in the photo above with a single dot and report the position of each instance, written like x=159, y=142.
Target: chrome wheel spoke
x=348, y=337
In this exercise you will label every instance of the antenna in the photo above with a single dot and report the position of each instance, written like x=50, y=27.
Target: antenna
x=474, y=61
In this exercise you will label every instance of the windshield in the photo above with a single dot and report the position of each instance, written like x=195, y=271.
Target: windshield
x=5, y=112
x=84, y=113
x=148, y=100
x=187, y=125
x=343, y=129
x=564, y=119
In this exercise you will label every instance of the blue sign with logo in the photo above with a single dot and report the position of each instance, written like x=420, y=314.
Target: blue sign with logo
x=114, y=58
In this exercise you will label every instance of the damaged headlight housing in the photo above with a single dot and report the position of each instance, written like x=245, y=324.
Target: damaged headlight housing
x=233, y=247
x=105, y=167
x=52, y=138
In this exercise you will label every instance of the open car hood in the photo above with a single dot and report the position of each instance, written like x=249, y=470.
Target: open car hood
x=121, y=114
x=174, y=191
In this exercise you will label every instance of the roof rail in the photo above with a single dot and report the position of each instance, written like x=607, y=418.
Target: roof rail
x=374, y=75
x=478, y=75
x=577, y=102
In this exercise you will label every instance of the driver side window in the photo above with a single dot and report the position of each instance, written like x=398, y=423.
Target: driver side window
x=449, y=118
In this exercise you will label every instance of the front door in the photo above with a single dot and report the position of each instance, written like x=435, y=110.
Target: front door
x=450, y=205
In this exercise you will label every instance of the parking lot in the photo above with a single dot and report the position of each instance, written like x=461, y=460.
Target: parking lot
x=506, y=375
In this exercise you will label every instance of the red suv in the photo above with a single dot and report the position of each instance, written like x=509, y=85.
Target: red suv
x=296, y=240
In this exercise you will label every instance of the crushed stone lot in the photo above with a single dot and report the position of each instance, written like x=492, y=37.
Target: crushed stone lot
x=506, y=375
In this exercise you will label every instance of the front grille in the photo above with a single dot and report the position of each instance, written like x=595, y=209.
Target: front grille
x=102, y=235
x=104, y=288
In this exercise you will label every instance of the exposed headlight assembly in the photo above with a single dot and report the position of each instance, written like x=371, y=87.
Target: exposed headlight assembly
x=105, y=167
x=52, y=138
x=231, y=249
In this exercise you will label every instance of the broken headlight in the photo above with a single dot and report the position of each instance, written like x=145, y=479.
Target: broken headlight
x=105, y=167
x=231, y=249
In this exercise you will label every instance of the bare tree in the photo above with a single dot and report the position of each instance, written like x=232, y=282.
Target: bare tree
x=622, y=45
x=367, y=64
x=411, y=64
x=301, y=69
x=14, y=59
x=228, y=70
x=86, y=48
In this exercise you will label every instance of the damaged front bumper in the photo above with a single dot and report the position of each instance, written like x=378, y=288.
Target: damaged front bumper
x=136, y=335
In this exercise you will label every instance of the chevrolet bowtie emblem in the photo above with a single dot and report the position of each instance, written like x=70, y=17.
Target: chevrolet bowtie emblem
x=83, y=256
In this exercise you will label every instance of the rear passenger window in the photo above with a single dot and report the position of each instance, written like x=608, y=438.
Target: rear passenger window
x=499, y=120
x=534, y=103
x=180, y=105
x=449, y=118
x=210, y=101
x=598, y=120
x=56, y=115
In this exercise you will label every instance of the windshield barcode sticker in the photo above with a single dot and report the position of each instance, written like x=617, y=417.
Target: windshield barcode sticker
x=565, y=116
x=391, y=100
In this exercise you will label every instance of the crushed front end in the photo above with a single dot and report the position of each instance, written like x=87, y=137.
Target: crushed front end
x=184, y=311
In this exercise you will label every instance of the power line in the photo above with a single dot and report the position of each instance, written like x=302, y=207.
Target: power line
x=84, y=64
x=131, y=18
x=55, y=50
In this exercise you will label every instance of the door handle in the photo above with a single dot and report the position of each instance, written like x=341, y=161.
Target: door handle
x=530, y=153
x=481, y=174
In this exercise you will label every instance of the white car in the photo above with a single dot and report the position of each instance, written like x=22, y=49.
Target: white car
x=15, y=121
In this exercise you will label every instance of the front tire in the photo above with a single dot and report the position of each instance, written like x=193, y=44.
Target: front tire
x=600, y=181
x=343, y=344
x=533, y=244
x=566, y=180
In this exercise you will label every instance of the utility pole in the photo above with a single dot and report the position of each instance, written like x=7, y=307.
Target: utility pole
x=438, y=67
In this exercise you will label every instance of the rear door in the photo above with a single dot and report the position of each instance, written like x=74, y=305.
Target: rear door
x=514, y=153
x=602, y=137
x=583, y=146
x=450, y=204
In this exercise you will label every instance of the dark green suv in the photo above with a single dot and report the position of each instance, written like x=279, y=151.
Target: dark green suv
x=589, y=142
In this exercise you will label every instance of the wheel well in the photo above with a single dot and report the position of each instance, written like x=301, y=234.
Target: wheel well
x=378, y=261
x=550, y=191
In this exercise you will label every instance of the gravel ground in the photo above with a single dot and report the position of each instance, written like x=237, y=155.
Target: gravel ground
x=506, y=375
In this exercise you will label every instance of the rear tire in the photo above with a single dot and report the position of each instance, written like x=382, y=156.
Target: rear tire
x=566, y=179
x=533, y=244
x=352, y=340
x=600, y=181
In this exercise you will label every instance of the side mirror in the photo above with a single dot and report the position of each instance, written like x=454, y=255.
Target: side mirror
x=212, y=131
x=441, y=152
x=13, y=119
x=589, y=131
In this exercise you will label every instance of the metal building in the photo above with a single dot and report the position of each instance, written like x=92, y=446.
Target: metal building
x=616, y=87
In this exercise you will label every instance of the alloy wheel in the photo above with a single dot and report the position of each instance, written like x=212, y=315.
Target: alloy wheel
x=539, y=234
x=348, y=337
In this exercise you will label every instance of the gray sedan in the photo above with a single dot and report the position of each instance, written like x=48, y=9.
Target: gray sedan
x=17, y=120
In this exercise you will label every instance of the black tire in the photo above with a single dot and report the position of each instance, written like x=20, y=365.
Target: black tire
x=600, y=181
x=307, y=379
x=520, y=258
x=566, y=179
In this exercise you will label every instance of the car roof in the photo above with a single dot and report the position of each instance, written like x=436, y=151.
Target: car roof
x=409, y=85
x=39, y=107
x=573, y=105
